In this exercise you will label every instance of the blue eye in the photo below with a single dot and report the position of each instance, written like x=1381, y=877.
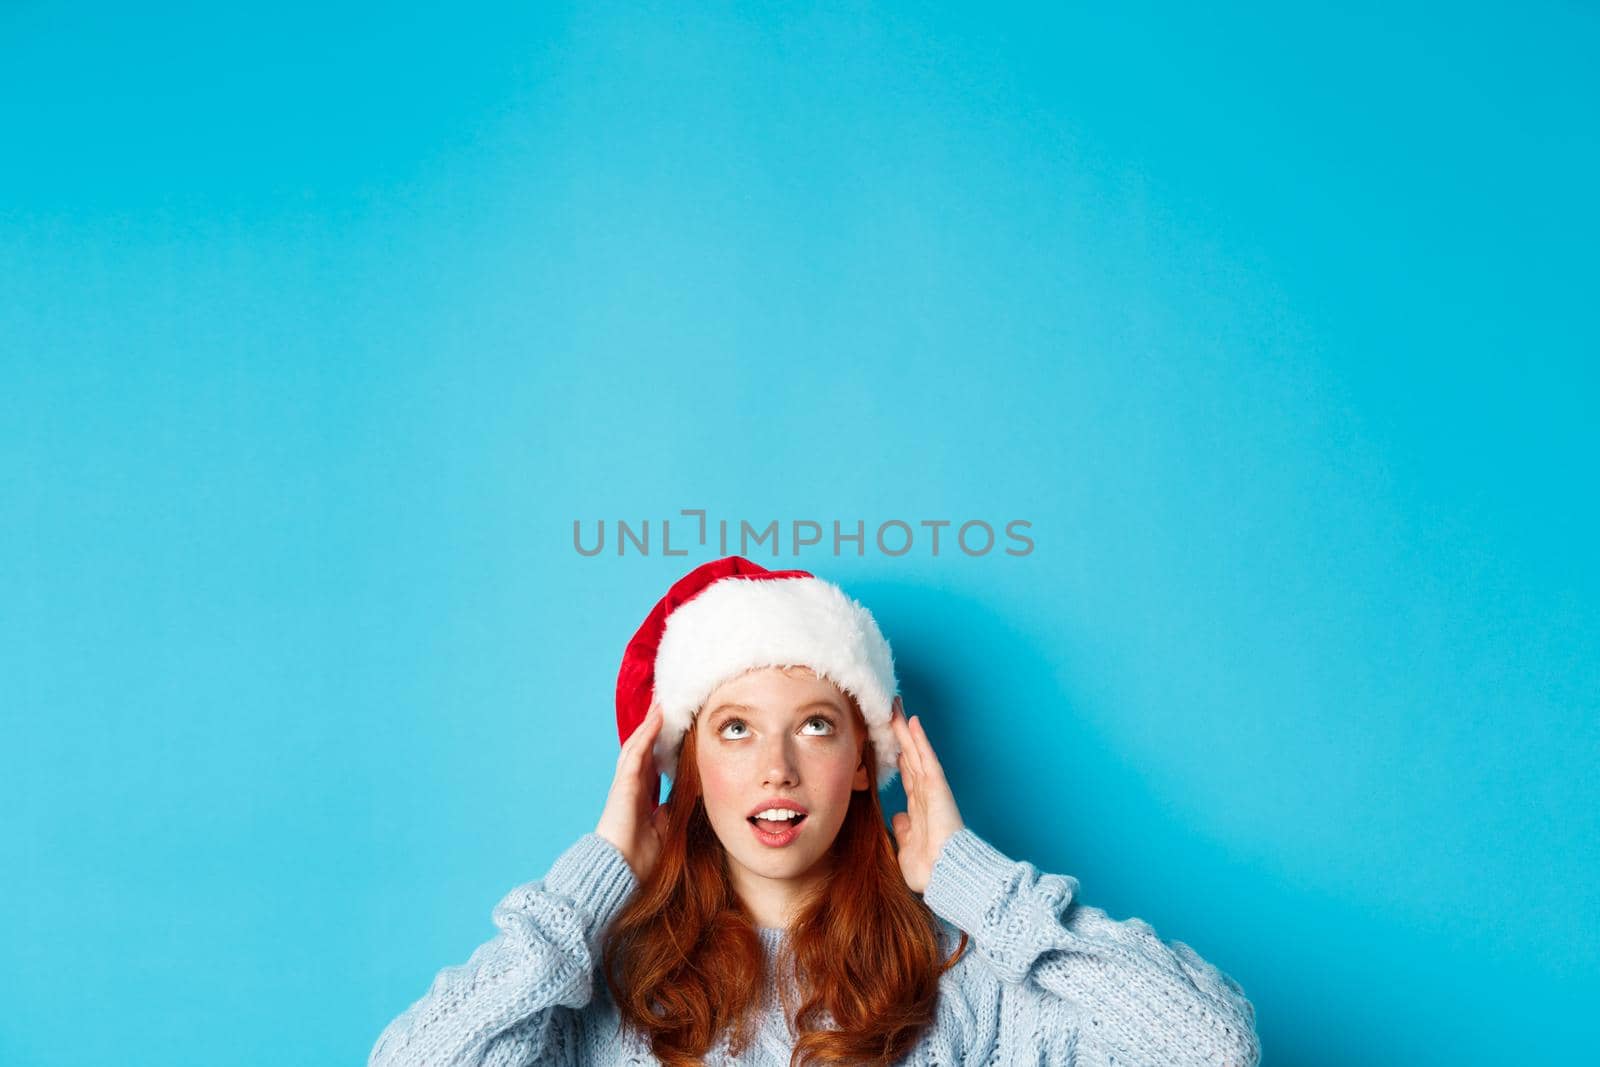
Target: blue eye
x=827, y=723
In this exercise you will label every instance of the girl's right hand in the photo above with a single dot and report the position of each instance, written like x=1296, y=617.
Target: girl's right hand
x=632, y=820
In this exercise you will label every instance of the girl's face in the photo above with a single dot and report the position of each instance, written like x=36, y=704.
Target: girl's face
x=786, y=738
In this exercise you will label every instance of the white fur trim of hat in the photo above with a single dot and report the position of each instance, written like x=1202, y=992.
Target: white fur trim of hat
x=738, y=624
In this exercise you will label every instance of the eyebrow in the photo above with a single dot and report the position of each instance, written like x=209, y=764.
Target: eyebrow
x=830, y=705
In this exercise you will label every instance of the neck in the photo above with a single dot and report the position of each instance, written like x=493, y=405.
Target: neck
x=772, y=902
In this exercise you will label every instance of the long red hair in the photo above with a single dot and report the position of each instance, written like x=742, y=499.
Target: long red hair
x=683, y=961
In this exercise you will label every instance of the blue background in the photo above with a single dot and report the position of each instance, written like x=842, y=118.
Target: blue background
x=322, y=325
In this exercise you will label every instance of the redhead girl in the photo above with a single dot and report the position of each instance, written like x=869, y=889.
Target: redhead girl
x=764, y=914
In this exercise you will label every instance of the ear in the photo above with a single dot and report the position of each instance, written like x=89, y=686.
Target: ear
x=863, y=779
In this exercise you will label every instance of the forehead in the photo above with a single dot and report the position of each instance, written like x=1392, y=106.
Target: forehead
x=778, y=689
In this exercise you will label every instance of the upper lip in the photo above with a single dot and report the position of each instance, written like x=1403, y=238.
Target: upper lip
x=777, y=802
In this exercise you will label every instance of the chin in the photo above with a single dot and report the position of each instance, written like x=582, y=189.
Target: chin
x=784, y=863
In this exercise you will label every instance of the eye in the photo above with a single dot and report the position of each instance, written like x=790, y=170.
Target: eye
x=826, y=724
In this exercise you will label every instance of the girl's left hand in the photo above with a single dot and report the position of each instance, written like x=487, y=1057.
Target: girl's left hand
x=931, y=815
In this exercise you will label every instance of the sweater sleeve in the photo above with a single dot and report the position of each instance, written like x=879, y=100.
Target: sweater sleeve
x=503, y=1006
x=1133, y=998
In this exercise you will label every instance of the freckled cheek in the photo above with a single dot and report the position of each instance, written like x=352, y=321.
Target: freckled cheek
x=828, y=780
x=727, y=786
x=836, y=781
x=717, y=789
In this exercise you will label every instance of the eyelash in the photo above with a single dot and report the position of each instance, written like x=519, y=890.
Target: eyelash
x=815, y=718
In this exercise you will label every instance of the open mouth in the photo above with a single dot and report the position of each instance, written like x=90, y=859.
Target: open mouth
x=776, y=826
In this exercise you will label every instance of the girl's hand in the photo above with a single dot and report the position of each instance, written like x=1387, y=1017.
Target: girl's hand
x=931, y=815
x=633, y=820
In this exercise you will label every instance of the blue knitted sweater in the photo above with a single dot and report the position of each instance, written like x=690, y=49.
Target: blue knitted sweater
x=1045, y=980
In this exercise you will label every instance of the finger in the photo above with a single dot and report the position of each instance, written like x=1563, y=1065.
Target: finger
x=912, y=746
x=646, y=732
x=908, y=767
x=902, y=824
x=917, y=795
x=930, y=762
x=924, y=749
x=647, y=769
x=906, y=742
x=632, y=753
x=903, y=735
x=645, y=787
x=634, y=737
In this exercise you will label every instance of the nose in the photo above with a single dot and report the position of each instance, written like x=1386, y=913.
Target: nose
x=778, y=763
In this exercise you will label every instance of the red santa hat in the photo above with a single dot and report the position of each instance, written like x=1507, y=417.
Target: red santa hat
x=731, y=615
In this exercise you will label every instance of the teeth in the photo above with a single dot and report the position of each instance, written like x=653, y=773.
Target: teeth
x=774, y=814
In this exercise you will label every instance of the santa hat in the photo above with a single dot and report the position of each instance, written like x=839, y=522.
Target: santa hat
x=731, y=615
